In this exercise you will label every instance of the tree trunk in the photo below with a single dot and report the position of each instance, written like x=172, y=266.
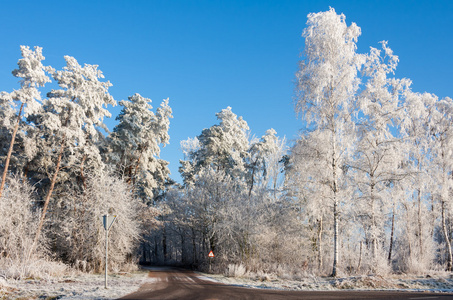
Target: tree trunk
x=420, y=239
x=444, y=194
x=134, y=178
x=26, y=170
x=335, y=212
x=145, y=254
x=10, y=151
x=203, y=245
x=335, y=238
x=194, y=247
x=156, y=249
x=391, y=234
x=164, y=244
x=447, y=238
x=409, y=232
x=275, y=188
x=82, y=175
x=320, y=244
x=373, y=222
x=433, y=218
x=183, y=248
x=253, y=178
x=49, y=194
x=360, y=257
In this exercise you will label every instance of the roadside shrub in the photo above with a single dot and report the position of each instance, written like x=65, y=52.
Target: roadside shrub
x=18, y=225
x=234, y=270
x=80, y=235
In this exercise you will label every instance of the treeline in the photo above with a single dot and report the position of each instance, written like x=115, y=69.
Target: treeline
x=366, y=188
x=61, y=172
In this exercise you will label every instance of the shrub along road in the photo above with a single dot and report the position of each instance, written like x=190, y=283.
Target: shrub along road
x=183, y=284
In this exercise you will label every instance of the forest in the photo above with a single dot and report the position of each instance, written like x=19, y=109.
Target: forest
x=365, y=188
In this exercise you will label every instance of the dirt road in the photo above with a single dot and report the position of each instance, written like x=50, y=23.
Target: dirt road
x=181, y=284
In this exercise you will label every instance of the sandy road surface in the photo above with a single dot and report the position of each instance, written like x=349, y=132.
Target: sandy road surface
x=181, y=284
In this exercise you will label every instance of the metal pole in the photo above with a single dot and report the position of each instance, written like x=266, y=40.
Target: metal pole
x=106, y=250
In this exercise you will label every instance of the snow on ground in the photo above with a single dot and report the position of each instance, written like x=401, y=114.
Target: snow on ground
x=91, y=286
x=441, y=282
x=81, y=286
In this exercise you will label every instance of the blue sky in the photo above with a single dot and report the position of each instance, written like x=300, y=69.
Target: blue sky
x=207, y=55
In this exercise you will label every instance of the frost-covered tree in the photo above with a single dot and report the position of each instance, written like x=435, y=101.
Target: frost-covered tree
x=57, y=142
x=378, y=153
x=33, y=75
x=420, y=226
x=71, y=119
x=441, y=130
x=275, y=162
x=307, y=181
x=134, y=145
x=264, y=162
x=222, y=147
x=327, y=84
x=17, y=225
x=78, y=229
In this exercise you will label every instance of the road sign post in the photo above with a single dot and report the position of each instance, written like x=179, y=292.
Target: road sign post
x=211, y=256
x=108, y=222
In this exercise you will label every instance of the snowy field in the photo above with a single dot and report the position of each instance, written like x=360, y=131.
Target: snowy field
x=90, y=286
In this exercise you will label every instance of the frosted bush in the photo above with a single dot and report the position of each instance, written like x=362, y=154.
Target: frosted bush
x=80, y=236
x=31, y=268
x=378, y=265
x=263, y=276
x=235, y=270
x=18, y=224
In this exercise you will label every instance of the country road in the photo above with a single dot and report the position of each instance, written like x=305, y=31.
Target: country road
x=182, y=284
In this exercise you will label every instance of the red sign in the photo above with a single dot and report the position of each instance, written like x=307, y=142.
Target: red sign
x=211, y=254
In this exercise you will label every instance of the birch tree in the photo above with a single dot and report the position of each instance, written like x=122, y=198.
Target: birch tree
x=308, y=181
x=416, y=129
x=378, y=152
x=327, y=83
x=442, y=137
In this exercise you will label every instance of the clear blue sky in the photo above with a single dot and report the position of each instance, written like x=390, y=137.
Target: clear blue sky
x=207, y=55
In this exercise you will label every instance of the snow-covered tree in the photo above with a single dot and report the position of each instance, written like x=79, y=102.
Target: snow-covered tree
x=378, y=153
x=441, y=130
x=264, y=162
x=71, y=120
x=327, y=84
x=134, y=145
x=33, y=75
x=307, y=181
x=222, y=147
x=78, y=228
x=419, y=228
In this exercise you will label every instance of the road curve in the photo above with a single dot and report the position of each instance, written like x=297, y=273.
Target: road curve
x=182, y=284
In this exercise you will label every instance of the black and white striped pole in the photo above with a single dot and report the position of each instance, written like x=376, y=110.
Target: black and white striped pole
x=108, y=222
